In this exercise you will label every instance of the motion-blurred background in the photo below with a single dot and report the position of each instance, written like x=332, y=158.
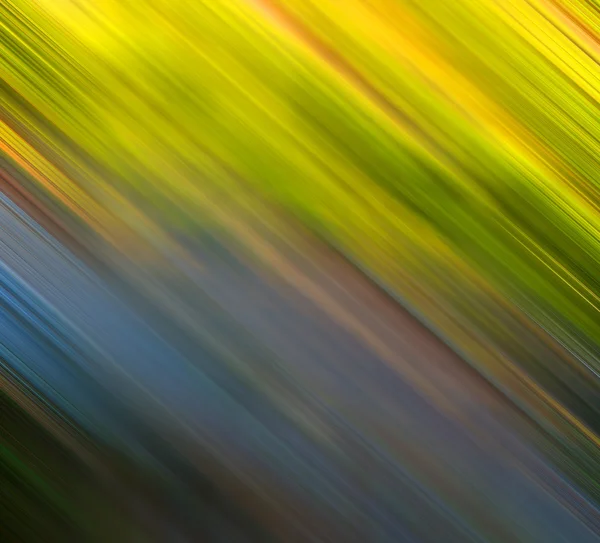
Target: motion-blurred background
x=300, y=271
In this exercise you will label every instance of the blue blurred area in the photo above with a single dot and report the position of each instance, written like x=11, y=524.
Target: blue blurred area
x=302, y=413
